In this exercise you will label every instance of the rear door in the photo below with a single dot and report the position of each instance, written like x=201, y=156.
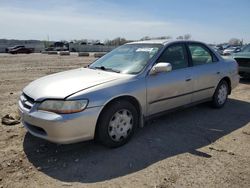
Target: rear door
x=206, y=70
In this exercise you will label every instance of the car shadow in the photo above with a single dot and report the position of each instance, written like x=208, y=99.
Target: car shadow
x=170, y=135
x=245, y=81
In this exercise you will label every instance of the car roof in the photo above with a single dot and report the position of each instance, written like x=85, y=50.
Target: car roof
x=150, y=42
x=163, y=42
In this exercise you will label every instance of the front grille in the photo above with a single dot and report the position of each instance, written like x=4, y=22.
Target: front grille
x=243, y=62
x=27, y=101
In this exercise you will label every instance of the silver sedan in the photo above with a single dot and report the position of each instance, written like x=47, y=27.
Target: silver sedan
x=114, y=95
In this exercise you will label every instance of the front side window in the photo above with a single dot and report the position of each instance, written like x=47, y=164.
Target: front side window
x=176, y=56
x=200, y=55
x=127, y=59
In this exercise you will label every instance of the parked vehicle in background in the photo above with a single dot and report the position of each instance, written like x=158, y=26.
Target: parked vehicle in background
x=58, y=46
x=118, y=92
x=225, y=46
x=49, y=49
x=218, y=49
x=243, y=59
x=231, y=50
x=13, y=48
x=21, y=50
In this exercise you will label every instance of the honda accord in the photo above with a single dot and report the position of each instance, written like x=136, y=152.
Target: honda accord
x=117, y=93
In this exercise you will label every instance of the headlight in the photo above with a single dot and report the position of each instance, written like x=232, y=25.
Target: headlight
x=63, y=107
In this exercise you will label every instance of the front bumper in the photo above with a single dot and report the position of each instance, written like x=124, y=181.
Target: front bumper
x=60, y=128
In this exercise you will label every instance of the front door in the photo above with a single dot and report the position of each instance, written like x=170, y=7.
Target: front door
x=168, y=90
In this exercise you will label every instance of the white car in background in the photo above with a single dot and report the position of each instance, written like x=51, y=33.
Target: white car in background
x=231, y=50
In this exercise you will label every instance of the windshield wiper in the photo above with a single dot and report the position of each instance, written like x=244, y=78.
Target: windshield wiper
x=107, y=69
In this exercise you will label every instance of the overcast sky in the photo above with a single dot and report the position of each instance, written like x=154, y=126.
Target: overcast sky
x=210, y=21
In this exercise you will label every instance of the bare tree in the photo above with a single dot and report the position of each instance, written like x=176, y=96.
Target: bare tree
x=234, y=41
x=179, y=38
x=145, y=38
x=169, y=37
x=116, y=42
x=187, y=36
x=184, y=37
x=163, y=37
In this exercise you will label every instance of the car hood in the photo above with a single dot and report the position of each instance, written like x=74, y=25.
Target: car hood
x=64, y=84
x=242, y=55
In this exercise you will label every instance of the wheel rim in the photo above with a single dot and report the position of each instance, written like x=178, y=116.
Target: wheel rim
x=222, y=94
x=120, y=125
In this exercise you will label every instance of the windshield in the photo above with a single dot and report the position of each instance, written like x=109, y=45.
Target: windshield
x=128, y=59
x=246, y=48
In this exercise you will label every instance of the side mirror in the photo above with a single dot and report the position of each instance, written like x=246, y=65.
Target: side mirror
x=160, y=67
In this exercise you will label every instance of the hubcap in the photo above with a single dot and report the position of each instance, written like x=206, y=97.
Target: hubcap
x=120, y=125
x=222, y=94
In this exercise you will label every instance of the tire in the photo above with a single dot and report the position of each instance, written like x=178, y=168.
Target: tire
x=117, y=124
x=220, y=95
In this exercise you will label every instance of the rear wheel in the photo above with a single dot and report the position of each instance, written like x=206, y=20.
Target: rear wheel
x=220, y=94
x=117, y=124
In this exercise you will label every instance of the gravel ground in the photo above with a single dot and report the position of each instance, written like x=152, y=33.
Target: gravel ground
x=195, y=147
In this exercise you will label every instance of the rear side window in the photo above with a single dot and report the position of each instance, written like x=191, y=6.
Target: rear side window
x=176, y=56
x=200, y=54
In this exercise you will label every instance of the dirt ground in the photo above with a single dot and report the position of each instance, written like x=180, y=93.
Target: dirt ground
x=195, y=147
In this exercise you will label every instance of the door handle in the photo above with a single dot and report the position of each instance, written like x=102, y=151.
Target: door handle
x=189, y=79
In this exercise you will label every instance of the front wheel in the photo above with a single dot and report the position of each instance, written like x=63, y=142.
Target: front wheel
x=117, y=124
x=220, y=94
